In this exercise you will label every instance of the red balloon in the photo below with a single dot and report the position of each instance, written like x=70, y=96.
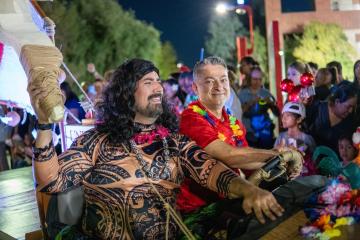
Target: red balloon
x=306, y=79
x=286, y=85
x=294, y=95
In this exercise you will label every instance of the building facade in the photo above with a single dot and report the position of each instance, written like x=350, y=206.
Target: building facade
x=292, y=17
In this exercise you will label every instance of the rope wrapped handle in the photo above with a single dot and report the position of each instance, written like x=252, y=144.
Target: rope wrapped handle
x=42, y=67
x=289, y=162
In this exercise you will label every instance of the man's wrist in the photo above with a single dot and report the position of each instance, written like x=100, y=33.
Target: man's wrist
x=43, y=126
x=239, y=187
x=37, y=151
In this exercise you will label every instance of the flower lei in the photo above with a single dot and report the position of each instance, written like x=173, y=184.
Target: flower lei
x=342, y=207
x=149, y=137
x=238, y=133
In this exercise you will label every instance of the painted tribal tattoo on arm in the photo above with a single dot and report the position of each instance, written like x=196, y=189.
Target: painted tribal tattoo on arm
x=204, y=169
x=57, y=174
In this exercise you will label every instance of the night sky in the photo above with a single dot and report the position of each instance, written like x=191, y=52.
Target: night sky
x=182, y=22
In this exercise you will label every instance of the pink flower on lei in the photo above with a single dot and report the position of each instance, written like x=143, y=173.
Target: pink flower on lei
x=333, y=193
x=149, y=137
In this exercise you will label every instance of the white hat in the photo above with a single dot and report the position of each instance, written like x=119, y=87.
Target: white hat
x=294, y=107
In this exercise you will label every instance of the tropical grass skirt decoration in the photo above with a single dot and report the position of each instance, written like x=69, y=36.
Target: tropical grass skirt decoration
x=201, y=222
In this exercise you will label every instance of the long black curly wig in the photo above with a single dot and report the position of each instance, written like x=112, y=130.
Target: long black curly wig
x=115, y=112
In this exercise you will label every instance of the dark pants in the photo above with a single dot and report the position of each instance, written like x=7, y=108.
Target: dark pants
x=3, y=161
x=229, y=216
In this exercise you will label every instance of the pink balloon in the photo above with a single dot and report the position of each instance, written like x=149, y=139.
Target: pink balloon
x=286, y=85
x=14, y=118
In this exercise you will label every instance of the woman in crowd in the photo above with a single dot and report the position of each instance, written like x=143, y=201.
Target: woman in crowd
x=357, y=87
x=256, y=100
x=322, y=84
x=246, y=64
x=328, y=120
x=171, y=88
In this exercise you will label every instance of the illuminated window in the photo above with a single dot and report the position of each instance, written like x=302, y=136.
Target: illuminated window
x=344, y=5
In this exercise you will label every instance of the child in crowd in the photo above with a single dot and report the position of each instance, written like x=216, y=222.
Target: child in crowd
x=292, y=116
x=294, y=72
x=347, y=151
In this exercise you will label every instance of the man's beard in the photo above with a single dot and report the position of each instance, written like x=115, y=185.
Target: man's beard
x=151, y=110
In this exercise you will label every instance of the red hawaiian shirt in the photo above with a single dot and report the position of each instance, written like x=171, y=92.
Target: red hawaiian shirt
x=203, y=132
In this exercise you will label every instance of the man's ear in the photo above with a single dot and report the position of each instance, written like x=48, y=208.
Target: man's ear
x=194, y=88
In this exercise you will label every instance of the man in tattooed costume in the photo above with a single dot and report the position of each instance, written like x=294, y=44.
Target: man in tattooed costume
x=136, y=134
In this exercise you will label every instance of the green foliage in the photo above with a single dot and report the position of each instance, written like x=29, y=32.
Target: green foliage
x=103, y=33
x=195, y=220
x=322, y=43
x=260, y=51
x=221, y=41
x=166, y=60
x=291, y=41
x=223, y=31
